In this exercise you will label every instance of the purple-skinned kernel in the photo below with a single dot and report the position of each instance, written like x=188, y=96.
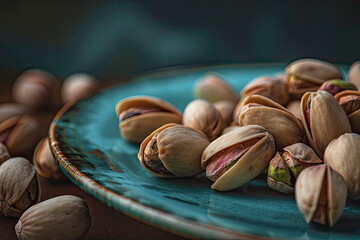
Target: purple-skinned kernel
x=332, y=88
x=131, y=112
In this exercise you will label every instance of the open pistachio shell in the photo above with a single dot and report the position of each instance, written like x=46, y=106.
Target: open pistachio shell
x=354, y=74
x=277, y=120
x=353, y=111
x=321, y=194
x=179, y=149
x=336, y=86
x=202, y=115
x=323, y=119
x=137, y=127
x=343, y=155
x=279, y=176
x=303, y=153
x=250, y=164
x=213, y=88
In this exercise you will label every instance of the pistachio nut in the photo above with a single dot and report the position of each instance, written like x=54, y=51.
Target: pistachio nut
x=284, y=169
x=139, y=116
x=19, y=187
x=226, y=109
x=8, y=110
x=354, y=74
x=173, y=150
x=270, y=87
x=36, y=88
x=306, y=75
x=77, y=86
x=202, y=115
x=350, y=102
x=343, y=155
x=230, y=128
x=237, y=157
x=323, y=119
x=335, y=86
x=44, y=162
x=213, y=88
x=63, y=217
x=20, y=134
x=321, y=194
x=4, y=153
x=294, y=107
x=277, y=120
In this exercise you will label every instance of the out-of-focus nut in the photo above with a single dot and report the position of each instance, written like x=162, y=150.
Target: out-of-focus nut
x=19, y=187
x=294, y=107
x=36, y=88
x=64, y=217
x=44, y=162
x=4, y=153
x=336, y=86
x=77, y=86
x=354, y=74
x=226, y=109
x=8, y=110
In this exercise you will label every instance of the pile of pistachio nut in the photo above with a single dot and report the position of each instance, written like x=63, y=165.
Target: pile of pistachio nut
x=301, y=128
x=37, y=93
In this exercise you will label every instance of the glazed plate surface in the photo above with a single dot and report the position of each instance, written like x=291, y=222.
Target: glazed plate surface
x=86, y=141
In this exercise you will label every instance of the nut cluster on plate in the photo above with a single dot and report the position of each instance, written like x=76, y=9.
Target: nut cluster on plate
x=37, y=93
x=301, y=128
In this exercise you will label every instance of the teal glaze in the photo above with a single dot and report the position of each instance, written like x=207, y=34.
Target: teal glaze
x=87, y=143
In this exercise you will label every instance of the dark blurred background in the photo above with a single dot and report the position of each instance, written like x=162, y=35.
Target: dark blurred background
x=116, y=38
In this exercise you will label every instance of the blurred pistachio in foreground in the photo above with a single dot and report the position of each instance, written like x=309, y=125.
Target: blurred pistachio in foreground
x=270, y=87
x=321, y=194
x=19, y=187
x=354, y=74
x=213, y=88
x=64, y=217
x=294, y=107
x=76, y=86
x=44, y=162
x=4, y=153
x=226, y=109
x=336, y=86
x=36, y=88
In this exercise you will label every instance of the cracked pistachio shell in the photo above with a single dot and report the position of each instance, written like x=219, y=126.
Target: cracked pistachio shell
x=321, y=194
x=279, y=177
x=179, y=148
x=36, y=88
x=213, y=88
x=137, y=128
x=202, y=115
x=226, y=109
x=354, y=74
x=326, y=118
x=4, y=153
x=306, y=75
x=63, y=217
x=303, y=153
x=343, y=155
x=19, y=187
x=354, y=116
x=251, y=164
x=277, y=120
x=270, y=87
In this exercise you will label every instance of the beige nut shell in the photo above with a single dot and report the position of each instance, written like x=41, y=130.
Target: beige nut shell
x=180, y=150
x=354, y=74
x=251, y=164
x=277, y=120
x=354, y=117
x=64, y=217
x=137, y=128
x=343, y=155
x=327, y=120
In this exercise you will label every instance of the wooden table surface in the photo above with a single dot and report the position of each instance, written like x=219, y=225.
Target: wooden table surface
x=107, y=223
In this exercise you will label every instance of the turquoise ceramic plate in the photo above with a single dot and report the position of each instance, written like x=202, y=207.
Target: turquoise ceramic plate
x=86, y=141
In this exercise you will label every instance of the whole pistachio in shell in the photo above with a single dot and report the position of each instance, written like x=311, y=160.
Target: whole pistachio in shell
x=354, y=74
x=284, y=169
x=350, y=102
x=141, y=115
x=19, y=187
x=307, y=75
x=237, y=157
x=226, y=109
x=36, y=88
x=63, y=217
x=4, y=153
x=343, y=155
x=336, y=86
x=213, y=88
x=173, y=150
x=44, y=162
x=321, y=194
x=294, y=107
x=323, y=119
x=202, y=115
x=270, y=87
x=277, y=120
x=77, y=86
x=230, y=128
